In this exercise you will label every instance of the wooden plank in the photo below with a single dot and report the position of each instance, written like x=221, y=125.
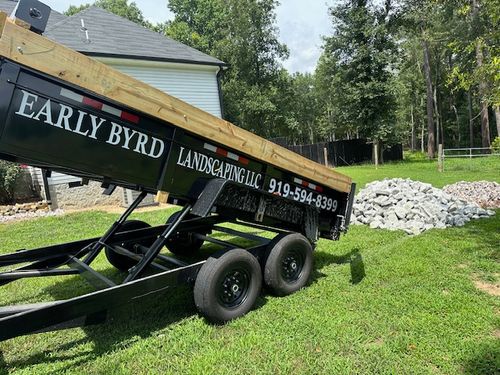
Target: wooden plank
x=161, y=197
x=44, y=55
x=3, y=19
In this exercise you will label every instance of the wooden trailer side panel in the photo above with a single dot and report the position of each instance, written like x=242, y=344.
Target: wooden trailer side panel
x=39, y=53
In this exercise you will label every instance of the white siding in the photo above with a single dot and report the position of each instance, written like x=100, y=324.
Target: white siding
x=191, y=83
x=55, y=178
x=195, y=84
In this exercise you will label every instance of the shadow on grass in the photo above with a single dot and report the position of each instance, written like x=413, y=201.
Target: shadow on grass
x=486, y=232
x=353, y=258
x=129, y=323
x=485, y=361
x=144, y=317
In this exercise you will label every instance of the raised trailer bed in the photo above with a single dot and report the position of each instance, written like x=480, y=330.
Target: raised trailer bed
x=85, y=120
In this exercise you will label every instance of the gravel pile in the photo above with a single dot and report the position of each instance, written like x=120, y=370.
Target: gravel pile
x=411, y=206
x=484, y=193
x=30, y=215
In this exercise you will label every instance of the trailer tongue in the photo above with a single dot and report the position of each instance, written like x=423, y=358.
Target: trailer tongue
x=62, y=111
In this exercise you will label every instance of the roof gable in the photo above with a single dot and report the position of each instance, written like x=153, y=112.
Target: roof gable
x=114, y=36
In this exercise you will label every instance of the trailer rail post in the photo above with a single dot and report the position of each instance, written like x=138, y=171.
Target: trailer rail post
x=96, y=247
x=157, y=246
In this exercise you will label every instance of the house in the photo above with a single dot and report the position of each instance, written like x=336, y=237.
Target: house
x=168, y=65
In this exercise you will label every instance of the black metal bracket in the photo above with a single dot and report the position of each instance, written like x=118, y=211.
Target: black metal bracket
x=207, y=197
x=96, y=247
x=156, y=247
x=348, y=209
x=34, y=13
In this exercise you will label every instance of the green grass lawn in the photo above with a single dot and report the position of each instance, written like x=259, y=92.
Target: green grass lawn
x=379, y=302
x=426, y=171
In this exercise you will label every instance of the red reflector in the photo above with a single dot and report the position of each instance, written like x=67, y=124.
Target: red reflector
x=221, y=151
x=93, y=103
x=130, y=117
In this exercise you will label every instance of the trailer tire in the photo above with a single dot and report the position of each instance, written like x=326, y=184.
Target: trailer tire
x=227, y=285
x=123, y=262
x=288, y=264
x=182, y=243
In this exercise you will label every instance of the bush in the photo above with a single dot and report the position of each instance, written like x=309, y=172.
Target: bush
x=496, y=145
x=415, y=156
x=9, y=173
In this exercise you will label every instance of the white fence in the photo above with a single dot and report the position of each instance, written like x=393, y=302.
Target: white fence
x=469, y=152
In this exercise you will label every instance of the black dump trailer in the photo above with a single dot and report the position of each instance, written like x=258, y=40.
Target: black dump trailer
x=51, y=124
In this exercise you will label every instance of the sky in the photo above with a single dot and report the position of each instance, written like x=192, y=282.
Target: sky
x=301, y=24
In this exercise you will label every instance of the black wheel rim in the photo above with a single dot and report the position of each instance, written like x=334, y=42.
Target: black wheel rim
x=292, y=265
x=233, y=288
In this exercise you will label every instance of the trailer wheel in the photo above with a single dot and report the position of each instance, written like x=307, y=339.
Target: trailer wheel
x=289, y=263
x=182, y=243
x=227, y=285
x=122, y=262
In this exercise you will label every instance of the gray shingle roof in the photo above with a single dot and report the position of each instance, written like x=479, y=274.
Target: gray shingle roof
x=8, y=6
x=114, y=36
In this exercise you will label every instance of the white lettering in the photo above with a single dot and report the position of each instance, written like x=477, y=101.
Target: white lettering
x=96, y=126
x=158, y=153
x=114, y=135
x=78, y=129
x=128, y=137
x=26, y=104
x=217, y=168
x=64, y=116
x=141, y=144
x=45, y=111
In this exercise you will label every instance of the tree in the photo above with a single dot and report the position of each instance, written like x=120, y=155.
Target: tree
x=199, y=24
x=476, y=36
x=360, y=56
x=119, y=7
x=243, y=34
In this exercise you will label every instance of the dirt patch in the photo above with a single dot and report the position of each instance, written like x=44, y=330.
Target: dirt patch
x=491, y=289
x=496, y=333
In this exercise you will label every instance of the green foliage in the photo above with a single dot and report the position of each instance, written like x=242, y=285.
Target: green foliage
x=243, y=34
x=357, y=63
x=495, y=145
x=9, y=173
x=119, y=7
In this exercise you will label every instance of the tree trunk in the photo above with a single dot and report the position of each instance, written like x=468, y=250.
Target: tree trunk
x=413, y=135
x=458, y=124
x=471, y=120
x=431, y=143
x=422, y=143
x=483, y=88
x=497, y=118
x=438, y=120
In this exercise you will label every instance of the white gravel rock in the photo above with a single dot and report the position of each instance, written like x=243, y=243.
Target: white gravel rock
x=484, y=193
x=413, y=206
x=30, y=215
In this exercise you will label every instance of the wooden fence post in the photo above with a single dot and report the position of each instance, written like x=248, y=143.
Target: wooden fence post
x=325, y=152
x=440, y=157
x=375, y=147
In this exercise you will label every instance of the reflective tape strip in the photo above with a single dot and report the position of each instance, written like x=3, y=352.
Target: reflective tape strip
x=100, y=106
x=308, y=184
x=225, y=153
x=111, y=110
